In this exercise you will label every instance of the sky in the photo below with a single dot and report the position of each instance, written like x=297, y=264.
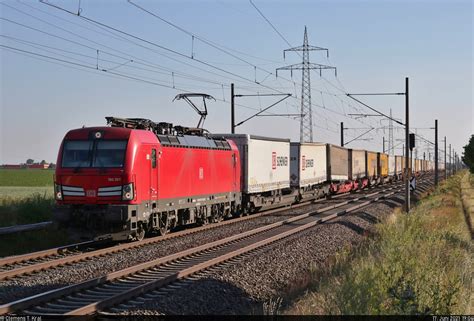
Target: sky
x=61, y=71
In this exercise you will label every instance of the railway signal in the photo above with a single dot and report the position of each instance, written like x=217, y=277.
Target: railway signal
x=413, y=184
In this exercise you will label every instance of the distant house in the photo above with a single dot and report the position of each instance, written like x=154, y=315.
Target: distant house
x=11, y=166
x=24, y=166
x=38, y=166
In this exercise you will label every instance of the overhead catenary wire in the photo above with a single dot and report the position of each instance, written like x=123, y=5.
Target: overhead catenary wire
x=157, y=45
x=97, y=43
x=108, y=73
x=180, y=54
x=136, y=59
x=139, y=80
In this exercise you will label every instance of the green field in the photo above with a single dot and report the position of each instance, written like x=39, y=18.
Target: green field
x=26, y=177
x=27, y=196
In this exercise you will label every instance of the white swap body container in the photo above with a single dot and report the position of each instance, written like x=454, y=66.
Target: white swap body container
x=400, y=165
x=265, y=162
x=359, y=165
x=308, y=164
x=392, y=169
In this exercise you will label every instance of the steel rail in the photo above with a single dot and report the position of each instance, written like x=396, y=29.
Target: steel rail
x=28, y=263
x=99, y=284
x=24, y=227
x=41, y=254
x=23, y=258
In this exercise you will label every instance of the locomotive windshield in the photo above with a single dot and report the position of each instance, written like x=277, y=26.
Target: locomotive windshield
x=94, y=153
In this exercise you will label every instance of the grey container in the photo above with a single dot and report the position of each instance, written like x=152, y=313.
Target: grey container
x=338, y=163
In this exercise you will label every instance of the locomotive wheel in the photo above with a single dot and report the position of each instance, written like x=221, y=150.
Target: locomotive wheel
x=203, y=221
x=140, y=234
x=164, y=225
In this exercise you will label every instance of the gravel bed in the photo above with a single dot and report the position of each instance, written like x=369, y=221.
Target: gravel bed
x=256, y=280
x=27, y=285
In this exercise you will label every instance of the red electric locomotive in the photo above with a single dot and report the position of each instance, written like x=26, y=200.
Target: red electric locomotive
x=137, y=176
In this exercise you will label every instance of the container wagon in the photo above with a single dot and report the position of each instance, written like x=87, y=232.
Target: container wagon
x=400, y=165
x=417, y=166
x=265, y=170
x=392, y=168
x=338, y=169
x=308, y=169
x=383, y=170
x=358, y=168
x=372, y=167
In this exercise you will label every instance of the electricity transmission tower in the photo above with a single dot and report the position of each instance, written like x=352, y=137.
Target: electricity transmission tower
x=306, y=122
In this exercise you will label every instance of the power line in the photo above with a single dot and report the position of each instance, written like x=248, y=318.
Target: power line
x=208, y=42
x=112, y=28
x=97, y=43
x=119, y=64
x=114, y=49
x=137, y=60
x=158, y=45
x=268, y=21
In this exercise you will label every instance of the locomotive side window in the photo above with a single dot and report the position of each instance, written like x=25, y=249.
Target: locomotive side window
x=77, y=153
x=109, y=153
x=153, y=158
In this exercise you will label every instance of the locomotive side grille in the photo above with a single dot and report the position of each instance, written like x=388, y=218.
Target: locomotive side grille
x=109, y=191
x=73, y=191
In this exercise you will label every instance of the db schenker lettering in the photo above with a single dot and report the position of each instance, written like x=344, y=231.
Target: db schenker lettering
x=282, y=161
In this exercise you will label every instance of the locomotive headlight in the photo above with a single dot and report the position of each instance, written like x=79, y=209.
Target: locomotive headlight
x=127, y=192
x=57, y=192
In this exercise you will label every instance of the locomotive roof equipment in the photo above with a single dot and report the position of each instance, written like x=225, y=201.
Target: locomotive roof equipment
x=202, y=113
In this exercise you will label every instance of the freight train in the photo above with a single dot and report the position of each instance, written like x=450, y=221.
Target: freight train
x=136, y=176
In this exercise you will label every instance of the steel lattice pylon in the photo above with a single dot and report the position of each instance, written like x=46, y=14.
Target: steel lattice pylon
x=306, y=123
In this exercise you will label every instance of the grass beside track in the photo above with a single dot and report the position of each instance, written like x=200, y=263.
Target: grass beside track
x=32, y=208
x=26, y=196
x=26, y=177
x=415, y=264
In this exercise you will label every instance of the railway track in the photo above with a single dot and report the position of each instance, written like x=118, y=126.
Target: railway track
x=15, y=266
x=145, y=280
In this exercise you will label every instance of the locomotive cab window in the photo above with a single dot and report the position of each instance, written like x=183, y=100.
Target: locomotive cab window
x=109, y=153
x=95, y=154
x=77, y=153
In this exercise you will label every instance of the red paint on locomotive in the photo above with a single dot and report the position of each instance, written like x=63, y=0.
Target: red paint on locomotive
x=128, y=174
